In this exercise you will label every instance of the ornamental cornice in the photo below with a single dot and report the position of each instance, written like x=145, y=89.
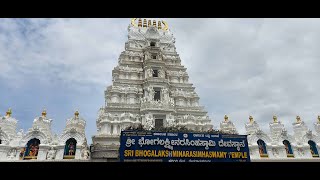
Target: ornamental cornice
x=191, y=109
x=156, y=80
x=123, y=89
x=174, y=57
x=182, y=85
x=177, y=73
x=157, y=105
x=128, y=69
x=127, y=81
x=137, y=53
x=154, y=62
x=175, y=66
x=184, y=94
x=122, y=106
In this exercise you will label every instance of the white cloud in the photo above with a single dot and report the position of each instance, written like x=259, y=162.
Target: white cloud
x=260, y=67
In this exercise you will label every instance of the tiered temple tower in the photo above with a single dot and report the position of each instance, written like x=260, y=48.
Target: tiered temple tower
x=150, y=87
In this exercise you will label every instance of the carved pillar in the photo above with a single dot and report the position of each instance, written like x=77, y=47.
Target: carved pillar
x=78, y=152
x=131, y=98
x=111, y=128
x=188, y=102
x=108, y=129
x=60, y=152
x=104, y=128
x=254, y=151
x=122, y=98
x=115, y=129
x=181, y=79
x=141, y=76
x=4, y=150
x=42, y=153
x=114, y=98
x=186, y=80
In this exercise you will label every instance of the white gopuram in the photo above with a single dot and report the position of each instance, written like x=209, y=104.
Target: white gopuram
x=39, y=143
x=150, y=87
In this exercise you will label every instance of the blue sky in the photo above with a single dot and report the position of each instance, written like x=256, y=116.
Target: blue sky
x=240, y=67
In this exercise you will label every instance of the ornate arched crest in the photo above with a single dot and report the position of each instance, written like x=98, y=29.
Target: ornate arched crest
x=35, y=133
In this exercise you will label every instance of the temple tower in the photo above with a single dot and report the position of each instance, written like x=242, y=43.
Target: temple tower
x=150, y=87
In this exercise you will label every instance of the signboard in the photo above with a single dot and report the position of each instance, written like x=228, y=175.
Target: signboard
x=183, y=147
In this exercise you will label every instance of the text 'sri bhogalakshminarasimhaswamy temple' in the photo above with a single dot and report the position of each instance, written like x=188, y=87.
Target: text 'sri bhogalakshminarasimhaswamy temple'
x=150, y=88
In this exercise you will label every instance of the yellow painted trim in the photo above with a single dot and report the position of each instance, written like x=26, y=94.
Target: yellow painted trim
x=30, y=157
x=264, y=155
x=290, y=155
x=68, y=157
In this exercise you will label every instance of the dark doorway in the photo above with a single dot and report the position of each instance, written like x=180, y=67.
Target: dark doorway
x=157, y=95
x=158, y=123
x=154, y=56
x=31, y=149
x=152, y=44
x=70, y=149
x=313, y=148
x=262, y=148
x=155, y=73
x=288, y=148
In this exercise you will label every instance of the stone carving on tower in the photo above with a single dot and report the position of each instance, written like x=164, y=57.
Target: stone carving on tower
x=149, y=122
x=144, y=86
x=171, y=121
x=85, y=153
x=51, y=154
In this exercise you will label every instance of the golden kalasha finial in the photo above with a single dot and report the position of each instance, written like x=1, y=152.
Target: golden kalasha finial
x=44, y=113
x=140, y=22
x=251, y=119
x=76, y=114
x=159, y=25
x=144, y=23
x=298, y=119
x=9, y=112
x=133, y=22
x=275, y=119
x=225, y=118
x=319, y=118
x=165, y=25
x=149, y=23
x=154, y=23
